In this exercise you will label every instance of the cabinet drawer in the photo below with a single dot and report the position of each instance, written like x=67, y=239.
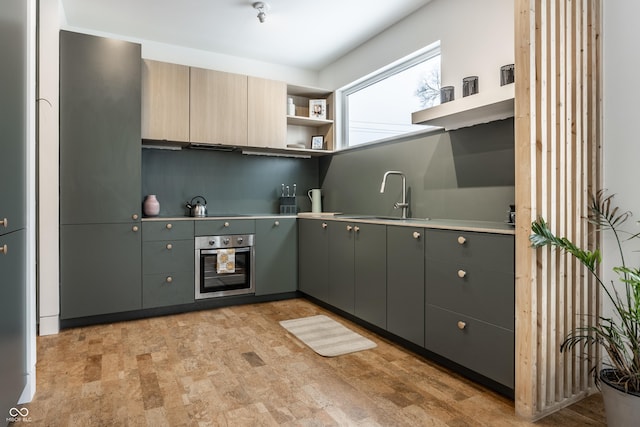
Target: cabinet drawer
x=167, y=230
x=492, y=251
x=165, y=256
x=479, y=346
x=165, y=289
x=484, y=294
x=220, y=227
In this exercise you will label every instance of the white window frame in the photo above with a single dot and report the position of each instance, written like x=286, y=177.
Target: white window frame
x=392, y=69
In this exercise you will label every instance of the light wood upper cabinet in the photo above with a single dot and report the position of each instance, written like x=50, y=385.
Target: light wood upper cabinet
x=267, y=113
x=218, y=107
x=165, y=101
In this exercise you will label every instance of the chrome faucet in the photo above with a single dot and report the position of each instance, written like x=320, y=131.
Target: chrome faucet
x=403, y=204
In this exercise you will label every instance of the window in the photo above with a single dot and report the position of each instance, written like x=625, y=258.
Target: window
x=380, y=105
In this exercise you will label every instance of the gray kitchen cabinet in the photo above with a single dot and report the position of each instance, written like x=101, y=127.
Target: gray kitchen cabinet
x=100, y=157
x=100, y=269
x=13, y=331
x=341, y=266
x=405, y=283
x=167, y=230
x=167, y=263
x=276, y=248
x=472, y=343
x=357, y=270
x=223, y=227
x=470, y=301
x=14, y=84
x=167, y=256
x=100, y=168
x=313, y=258
x=370, y=281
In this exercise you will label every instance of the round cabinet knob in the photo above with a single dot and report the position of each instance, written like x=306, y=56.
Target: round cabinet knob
x=276, y=223
x=4, y=249
x=324, y=225
x=169, y=226
x=134, y=228
x=169, y=279
x=416, y=235
x=349, y=228
x=226, y=224
x=356, y=228
x=462, y=240
x=462, y=274
x=169, y=246
x=134, y=216
x=4, y=222
x=462, y=325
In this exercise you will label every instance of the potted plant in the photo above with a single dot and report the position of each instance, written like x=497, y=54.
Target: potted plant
x=617, y=376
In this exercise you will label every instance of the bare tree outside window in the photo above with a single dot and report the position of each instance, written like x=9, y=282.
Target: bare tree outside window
x=428, y=91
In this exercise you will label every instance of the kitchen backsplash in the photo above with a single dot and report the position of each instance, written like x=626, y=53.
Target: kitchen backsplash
x=229, y=181
x=463, y=174
x=468, y=173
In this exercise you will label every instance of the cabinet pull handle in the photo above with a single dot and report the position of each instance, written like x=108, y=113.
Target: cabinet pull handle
x=324, y=225
x=349, y=228
x=169, y=279
x=169, y=246
x=134, y=228
x=356, y=228
x=277, y=223
x=169, y=226
x=134, y=216
x=416, y=235
x=4, y=249
x=462, y=274
x=462, y=240
x=462, y=325
x=226, y=224
x=4, y=222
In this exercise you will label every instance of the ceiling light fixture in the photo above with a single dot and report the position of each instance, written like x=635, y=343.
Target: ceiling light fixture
x=262, y=9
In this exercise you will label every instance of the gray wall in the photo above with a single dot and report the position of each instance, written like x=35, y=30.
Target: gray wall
x=462, y=174
x=231, y=182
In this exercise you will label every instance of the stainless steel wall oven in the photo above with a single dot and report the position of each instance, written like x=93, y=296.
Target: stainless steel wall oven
x=224, y=265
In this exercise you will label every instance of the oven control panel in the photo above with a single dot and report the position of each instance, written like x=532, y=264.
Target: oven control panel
x=231, y=241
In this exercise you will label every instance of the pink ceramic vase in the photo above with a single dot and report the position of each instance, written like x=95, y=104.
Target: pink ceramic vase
x=151, y=206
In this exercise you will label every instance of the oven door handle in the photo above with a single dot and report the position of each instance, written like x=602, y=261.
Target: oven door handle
x=215, y=251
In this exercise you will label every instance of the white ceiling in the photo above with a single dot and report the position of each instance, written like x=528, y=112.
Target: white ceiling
x=308, y=34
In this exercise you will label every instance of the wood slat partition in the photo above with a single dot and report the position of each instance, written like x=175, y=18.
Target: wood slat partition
x=558, y=164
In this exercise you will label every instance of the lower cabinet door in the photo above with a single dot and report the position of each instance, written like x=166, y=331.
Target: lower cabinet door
x=13, y=330
x=482, y=347
x=405, y=283
x=100, y=269
x=165, y=289
x=276, y=256
x=313, y=261
x=370, y=265
x=341, y=268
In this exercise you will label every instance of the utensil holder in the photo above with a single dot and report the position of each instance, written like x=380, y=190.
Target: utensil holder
x=288, y=205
